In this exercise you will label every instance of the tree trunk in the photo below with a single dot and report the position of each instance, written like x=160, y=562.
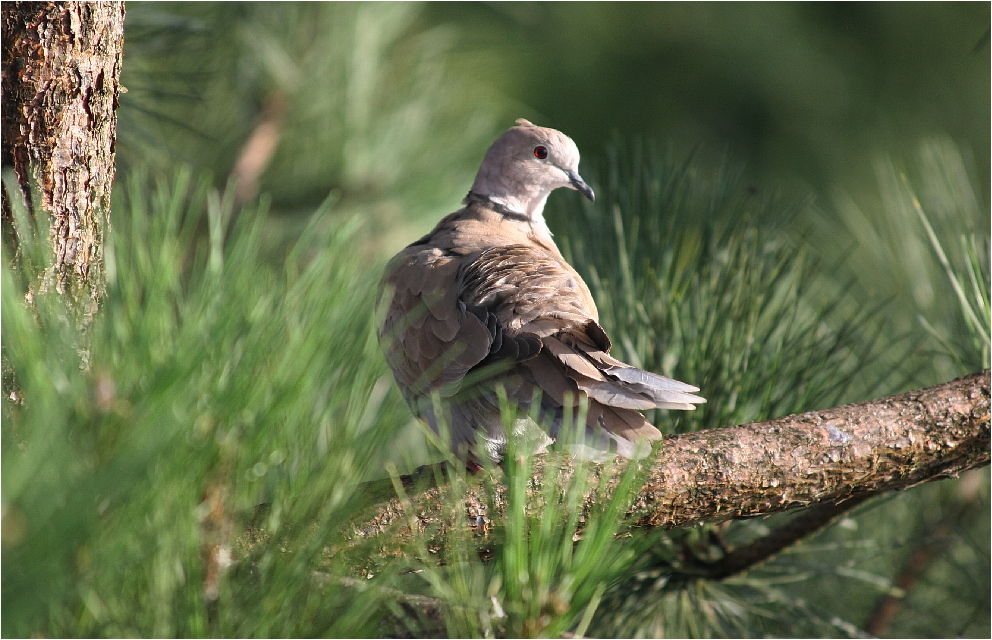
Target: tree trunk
x=61, y=71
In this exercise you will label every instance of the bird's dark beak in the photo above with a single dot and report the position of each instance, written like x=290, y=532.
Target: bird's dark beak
x=580, y=185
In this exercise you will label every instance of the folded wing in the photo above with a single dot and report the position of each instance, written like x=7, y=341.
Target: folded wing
x=535, y=293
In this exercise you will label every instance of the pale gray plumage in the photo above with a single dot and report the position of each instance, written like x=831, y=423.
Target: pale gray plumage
x=486, y=299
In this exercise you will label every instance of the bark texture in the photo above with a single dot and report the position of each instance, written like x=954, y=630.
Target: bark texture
x=832, y=457
x=820, y=456
x=61, y=71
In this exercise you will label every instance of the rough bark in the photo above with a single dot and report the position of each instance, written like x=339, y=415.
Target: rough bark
x=820, y=456
x=836, y=456
x=61, y=70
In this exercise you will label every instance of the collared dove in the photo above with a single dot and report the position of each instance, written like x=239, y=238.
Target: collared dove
x=485, y=305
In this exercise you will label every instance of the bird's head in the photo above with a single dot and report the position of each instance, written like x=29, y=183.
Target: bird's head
x=525, y=165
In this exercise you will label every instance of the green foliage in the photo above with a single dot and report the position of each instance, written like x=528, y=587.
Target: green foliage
x=367, y=101
x=215, y=382
x=547, y=563
x=926, y=250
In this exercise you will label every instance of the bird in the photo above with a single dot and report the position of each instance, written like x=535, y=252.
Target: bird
x=484, y=312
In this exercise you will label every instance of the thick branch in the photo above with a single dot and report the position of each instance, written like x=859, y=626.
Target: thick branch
x=816, y=458
x=820, y=456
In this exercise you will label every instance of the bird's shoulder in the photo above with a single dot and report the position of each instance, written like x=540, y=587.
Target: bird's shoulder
x=461, y=236
x=522, y=283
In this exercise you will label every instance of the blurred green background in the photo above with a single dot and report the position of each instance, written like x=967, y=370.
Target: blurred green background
x=792, y=213
x=399, y=102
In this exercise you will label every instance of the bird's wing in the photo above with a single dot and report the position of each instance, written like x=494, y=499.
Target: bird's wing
x=430, y=340
x=534, y=293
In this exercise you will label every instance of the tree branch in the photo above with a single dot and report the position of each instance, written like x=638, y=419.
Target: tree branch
x=806, y=523
x=820, y=456
x=825, y=458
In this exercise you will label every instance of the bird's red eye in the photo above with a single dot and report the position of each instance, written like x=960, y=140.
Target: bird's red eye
x=540, y=152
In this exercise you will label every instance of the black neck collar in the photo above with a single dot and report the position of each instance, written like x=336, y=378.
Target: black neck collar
x=498, y=207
